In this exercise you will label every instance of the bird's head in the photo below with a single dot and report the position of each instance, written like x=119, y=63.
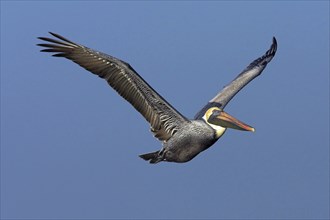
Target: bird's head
x=220, y=121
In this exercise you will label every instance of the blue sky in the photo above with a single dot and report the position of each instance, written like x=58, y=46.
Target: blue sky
x=70, y=144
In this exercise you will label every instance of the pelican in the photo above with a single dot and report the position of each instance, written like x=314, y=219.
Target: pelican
x=182, y=139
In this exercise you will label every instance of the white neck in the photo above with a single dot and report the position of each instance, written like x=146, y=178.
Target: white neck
x=219, y=131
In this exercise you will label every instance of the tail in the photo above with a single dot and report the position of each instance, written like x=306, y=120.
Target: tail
x=152, y=157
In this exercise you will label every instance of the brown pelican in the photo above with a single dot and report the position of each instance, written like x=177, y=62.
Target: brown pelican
x=183, y=139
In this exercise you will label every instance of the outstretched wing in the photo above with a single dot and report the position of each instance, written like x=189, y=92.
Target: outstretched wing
x=163, y=118
x=247, y=75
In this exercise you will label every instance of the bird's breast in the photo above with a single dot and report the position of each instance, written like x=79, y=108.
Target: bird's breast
x=189, y=141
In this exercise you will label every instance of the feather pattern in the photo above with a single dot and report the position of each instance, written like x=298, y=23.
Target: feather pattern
x=163, y=118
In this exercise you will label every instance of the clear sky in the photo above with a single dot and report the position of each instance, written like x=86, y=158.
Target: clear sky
x=70, y=144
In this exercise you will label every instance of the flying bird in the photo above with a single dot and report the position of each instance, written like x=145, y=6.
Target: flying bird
x=182, y=139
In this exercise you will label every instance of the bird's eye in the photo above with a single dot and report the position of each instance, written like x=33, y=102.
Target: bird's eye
x=216, y=111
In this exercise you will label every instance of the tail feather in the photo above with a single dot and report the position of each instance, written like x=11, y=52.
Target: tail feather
x=152, y=157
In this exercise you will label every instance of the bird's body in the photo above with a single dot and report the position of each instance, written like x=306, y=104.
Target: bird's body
x=183, y=139
x=191, y=139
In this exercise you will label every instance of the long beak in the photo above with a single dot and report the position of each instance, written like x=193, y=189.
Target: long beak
x=228, y=121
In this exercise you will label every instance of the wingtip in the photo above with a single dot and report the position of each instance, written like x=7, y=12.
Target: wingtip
x=274, y=40
x=273, y=47
x=55, y=35
x=45, y=38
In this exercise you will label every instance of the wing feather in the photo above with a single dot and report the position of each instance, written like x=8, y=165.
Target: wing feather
x=163, y=118
x=253, y=70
